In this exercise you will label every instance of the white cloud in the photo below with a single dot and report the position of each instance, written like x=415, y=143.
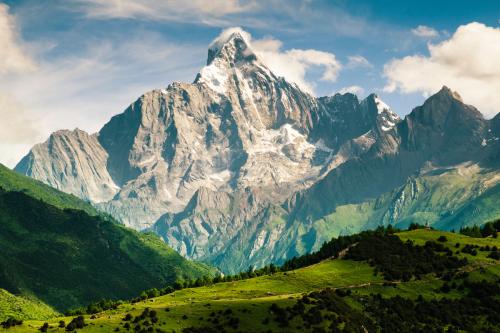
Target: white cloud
x=293, y=64
x=17, y=130
x=466, y=62
x=11, y=153
x=226, y=34
x=13, y=58
x=16, y=125
x=207, y=12
x=356, y=90
x=358, y=61
x=423, y=31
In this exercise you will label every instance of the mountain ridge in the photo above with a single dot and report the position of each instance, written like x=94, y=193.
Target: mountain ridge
x=241, y=167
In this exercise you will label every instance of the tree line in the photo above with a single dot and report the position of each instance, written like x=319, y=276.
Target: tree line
x=486, y=230
x=395, y=259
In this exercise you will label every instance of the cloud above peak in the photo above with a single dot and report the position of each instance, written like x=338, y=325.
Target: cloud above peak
x=467, y=62
x=293, y=64
x=356, y=90
x=227, y=34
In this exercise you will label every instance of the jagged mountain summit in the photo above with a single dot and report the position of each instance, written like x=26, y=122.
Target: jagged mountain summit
x=242, y=167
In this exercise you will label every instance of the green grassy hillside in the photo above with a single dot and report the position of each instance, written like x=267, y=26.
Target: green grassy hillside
x=23, y=307
x=341, y=293
x=68, y=258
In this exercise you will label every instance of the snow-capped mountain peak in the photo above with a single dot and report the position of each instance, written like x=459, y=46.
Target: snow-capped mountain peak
x=230, y=55
x=232, y=45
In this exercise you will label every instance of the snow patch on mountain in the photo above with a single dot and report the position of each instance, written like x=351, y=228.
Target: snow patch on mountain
x=388, y=118
x=381, y=106
x=215, y=77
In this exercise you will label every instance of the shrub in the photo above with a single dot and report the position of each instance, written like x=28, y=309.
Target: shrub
x=77, y=322
x=442, y=239
x=44, y=327
x=494, y=255
x=11, y=322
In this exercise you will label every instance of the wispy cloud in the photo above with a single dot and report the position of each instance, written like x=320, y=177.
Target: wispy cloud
x=426, y=32
x=356, y=61
x=16, y=125
x=297, y=16
x=13, y=56
x=195, y=11
x=356, y=90
x=17, y=129
x=466, y=62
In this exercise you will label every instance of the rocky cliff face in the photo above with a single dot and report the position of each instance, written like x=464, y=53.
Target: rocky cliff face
x=242, y=168
x=74, y=162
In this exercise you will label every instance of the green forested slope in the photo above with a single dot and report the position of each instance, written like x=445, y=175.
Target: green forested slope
x=68, y=258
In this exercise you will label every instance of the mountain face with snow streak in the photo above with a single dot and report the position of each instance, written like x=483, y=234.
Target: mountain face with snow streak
x=243, y=168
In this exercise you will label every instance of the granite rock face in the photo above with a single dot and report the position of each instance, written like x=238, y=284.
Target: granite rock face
x=73, y=162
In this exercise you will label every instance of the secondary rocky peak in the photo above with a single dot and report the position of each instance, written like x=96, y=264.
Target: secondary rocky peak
x=437, y=107
x=72, y=156
x=386, y=118
x=446, y=125
x=447, y=92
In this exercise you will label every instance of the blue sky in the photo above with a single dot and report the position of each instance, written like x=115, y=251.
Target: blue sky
x=75, y=63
